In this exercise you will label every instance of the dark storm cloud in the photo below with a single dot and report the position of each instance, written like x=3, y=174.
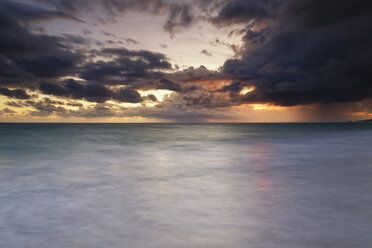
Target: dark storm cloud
x=30, y=57
x=244, y=11
x=27, y=58
x=128, y=95
x=294, y=52
x=167, y=84
x=125, y=67
x=153, y=60
x=46, y=107
x=256, y=37
x=93, y=92
x=16, y=36
x=318, y=13
x=53, y=89
x=179, y=14
x=16, y=39
x=208, y=101
x=106, y=7
x=52, y=65
x=90, y=92
x=27, y=12
x=235, y=87
x=25, y=55
x=308, y=51
x=18, y=93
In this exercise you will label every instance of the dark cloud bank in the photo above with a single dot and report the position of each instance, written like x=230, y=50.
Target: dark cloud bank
x=311, y=51
x=294, y=53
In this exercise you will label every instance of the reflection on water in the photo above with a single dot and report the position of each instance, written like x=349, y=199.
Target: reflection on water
x=208, y=185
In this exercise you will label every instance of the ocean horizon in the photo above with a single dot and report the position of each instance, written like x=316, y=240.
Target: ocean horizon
x=185, y=185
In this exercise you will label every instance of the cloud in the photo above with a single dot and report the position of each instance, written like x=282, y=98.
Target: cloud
x=53, y=65
x=128, y=95
x=28, y=12
x=246, y=11
x=15, y=104
x=125, y=66
x=109, y=34
x=25, y=55
x=131, y=41
x=179, y=16
x=317, y=13
x=206, y=53
x=193, y=74
x=234, y=87
x=292, y=53
x=7, y=111
x=18, y=93
x=307, y=52
x=167, y=84
x=91, y=92
x=152, y=98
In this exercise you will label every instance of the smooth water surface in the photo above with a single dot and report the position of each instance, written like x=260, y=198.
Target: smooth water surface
x=192, y=185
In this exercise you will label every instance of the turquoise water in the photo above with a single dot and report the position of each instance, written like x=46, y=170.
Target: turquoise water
x=192, y=185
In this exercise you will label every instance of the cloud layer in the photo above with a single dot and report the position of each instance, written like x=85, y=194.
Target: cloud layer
x=306, y=52
x=292, y=53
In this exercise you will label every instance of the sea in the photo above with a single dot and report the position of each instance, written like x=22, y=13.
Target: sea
x=256, y=185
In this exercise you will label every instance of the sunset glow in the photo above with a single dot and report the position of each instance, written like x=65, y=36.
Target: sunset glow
x=195, y=61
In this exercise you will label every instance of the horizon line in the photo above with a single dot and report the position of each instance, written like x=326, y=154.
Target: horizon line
x=314, y=122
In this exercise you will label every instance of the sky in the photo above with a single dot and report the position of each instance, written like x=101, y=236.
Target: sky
x=185, y=61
